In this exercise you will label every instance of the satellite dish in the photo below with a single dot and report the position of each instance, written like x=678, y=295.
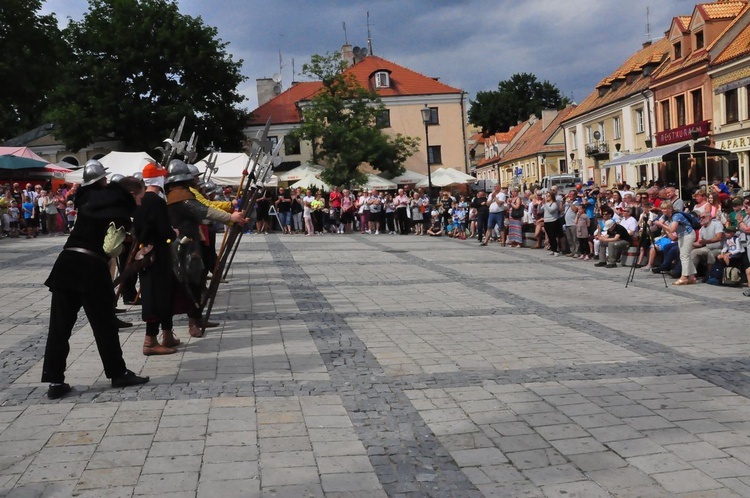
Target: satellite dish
x=363, y=52
x=356, y=51
x=276, y=77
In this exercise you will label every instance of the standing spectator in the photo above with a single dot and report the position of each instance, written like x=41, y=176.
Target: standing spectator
x=402, y=219
x=61, y=204
x=334, y=206
x=14, y=215
x=50, y=214
x=390, y=214
x=29, y=216
x=297, y=210
x=417, y=208
x=284, y=210
x=376, y=208
x=364, y=212
x=70, y=214
x=679, y=229
x=262, y=208
x=550, y=211
x=483, y=212
x=317, y=205
x=347, y=212
x=496, y=202
x=307, y=201
x=515, y=220
x=570, y=225
x=582, y=230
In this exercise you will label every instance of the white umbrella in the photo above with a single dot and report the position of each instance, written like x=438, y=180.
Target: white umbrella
x=409, y=177
x=300, y=172
x=310, y=181
x=442, y=177
x=378, y=183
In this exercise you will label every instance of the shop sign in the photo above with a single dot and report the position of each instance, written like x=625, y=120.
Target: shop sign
x=734, y=144
x=682, y=133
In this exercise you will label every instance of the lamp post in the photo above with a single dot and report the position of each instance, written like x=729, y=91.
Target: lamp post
x=694, y=133
x=426, y=118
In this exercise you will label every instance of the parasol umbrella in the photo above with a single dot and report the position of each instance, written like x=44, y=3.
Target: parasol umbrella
x=8, y=161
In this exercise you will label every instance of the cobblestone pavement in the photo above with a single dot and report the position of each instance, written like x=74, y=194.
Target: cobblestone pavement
x=391, y=366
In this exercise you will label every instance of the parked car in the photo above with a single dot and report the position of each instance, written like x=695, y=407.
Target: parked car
x=565, y=183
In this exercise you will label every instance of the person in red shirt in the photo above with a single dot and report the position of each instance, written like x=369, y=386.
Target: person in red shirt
x=334, y=203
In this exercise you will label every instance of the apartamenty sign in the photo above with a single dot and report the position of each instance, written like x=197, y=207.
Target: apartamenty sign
x=734, y=144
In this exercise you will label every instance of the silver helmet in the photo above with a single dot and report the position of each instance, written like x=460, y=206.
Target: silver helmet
x=93, y=171
x=193, y=169
x=178, y=171
x=116, y=178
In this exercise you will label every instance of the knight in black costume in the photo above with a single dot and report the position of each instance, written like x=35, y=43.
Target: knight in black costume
x=80, y=278
x=154, y=232
x=186, y=215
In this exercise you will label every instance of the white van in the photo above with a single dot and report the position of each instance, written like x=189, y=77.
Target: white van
x=564, y=183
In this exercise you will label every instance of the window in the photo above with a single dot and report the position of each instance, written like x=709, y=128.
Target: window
x=383, y=120
x=563, y=166
x=291, y=147
x=666, y=124
x=434, y=119
x=697, y=97
x=573, y=140
x=601, y=132
x=677, y=50
x=731, y=109
x=699, y=41
x=639, y=128
x=433, y=155
x=589, y=135
x=679, y=103
x=616, y=128
x=382, y=79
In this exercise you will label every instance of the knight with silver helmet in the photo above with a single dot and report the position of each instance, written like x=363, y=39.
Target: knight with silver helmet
x=116, y=178
x=93, y=171
x=187, y=214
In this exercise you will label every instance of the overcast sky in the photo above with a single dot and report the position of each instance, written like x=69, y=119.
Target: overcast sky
x=471, y=44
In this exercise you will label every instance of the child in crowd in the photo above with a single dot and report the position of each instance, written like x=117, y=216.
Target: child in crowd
x=13, y=216
x=459, y=220
x=582, y=231
x=28, y=215
x=70, y=215
x=435, y=230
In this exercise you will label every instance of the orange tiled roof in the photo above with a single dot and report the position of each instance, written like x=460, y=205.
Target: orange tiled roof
x=652, y=54
x=282, y=109
x=737, y=48
x=721, y=10
x=684, y=22
x=403, y=82
x=534, y=140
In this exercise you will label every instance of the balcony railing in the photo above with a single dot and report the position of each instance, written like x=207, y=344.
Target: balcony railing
x=597, y=148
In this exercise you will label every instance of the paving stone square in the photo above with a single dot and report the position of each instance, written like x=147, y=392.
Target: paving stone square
x=365, y=365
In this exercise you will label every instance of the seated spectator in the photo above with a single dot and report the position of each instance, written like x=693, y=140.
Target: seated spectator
x=708, y=245
x=731, y=253
x=613, y=242
x=436, y=229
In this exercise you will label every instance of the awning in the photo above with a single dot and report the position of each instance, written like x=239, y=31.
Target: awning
x=657, y=154
x=622, y=160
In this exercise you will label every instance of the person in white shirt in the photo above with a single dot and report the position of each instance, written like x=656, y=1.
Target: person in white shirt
x=710, y=239
x=496, y=201
x=307, y=212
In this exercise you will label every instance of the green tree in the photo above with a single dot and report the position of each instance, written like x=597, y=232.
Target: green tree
x=32, y=54
x=340, y=122
x=138, y=67
x=515, y=100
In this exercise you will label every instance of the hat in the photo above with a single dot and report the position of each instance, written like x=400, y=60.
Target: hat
x=576, y=203
x=608, y=225
x=736, y=201
x=434, y=214
x=151, y=170
x=730, y=228
x=642, y=191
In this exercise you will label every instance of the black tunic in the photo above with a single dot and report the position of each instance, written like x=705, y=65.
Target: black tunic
x=151, y=226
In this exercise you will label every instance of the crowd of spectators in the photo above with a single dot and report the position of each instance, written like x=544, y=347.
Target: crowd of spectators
x=36, y=209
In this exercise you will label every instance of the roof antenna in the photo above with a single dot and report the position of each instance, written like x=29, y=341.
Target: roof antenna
x=369, y=37
x=648, y=23
x=346, y=38
x=293, y=80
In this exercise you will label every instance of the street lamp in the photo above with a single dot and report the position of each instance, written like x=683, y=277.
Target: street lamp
x=426, y=118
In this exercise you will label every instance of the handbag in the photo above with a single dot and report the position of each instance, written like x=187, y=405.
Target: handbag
x=517, y=213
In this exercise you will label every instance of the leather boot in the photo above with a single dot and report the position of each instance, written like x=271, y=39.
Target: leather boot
x=152, y=347
x=209, y=325
x=194, y=327
x=168, y=339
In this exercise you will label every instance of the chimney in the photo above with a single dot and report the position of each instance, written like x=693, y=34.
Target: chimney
x=347, y=54
x=267, y=89
x=548, y=115
x=647, y=44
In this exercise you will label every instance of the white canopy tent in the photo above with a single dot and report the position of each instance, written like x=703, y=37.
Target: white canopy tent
x=123, y=163
x=378, y=183
x=229, y=167
x=310, y=181
x=442, y=177
x=300, y=172
x=409, y=177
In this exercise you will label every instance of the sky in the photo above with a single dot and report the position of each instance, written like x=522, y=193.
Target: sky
x=468, y=44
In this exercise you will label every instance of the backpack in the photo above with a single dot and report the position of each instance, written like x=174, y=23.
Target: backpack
x=692, y=220
x=716, y=275
x=731, y=277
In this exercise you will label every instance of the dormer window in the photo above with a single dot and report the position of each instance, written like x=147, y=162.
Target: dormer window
x=677, y=50
x=699, y=41
x=382, y=79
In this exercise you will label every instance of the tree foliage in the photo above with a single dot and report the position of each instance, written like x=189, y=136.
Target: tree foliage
x=138, y=67
x=32, y=54
x=515, y=100
x=340, y=123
